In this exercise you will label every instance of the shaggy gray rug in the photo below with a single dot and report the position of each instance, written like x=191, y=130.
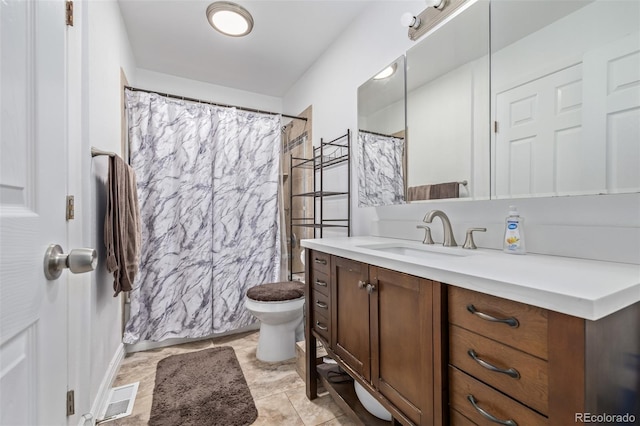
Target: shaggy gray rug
x=202, y=388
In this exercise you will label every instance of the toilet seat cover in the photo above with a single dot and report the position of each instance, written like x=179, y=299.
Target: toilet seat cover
x=276, y=292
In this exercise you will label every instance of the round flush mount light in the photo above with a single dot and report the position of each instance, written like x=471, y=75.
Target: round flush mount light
x=230, y=18
x=387, y=72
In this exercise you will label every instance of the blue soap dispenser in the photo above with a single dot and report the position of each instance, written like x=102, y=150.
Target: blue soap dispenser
x=514, y=232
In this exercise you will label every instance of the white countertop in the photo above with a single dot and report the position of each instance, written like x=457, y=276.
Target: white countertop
x=587, y=289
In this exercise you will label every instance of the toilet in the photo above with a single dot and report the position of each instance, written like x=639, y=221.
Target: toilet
x=278, y=306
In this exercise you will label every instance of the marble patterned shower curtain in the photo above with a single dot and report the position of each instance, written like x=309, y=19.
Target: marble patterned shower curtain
x=208, y=211
x=246, y=228
x=380, y=170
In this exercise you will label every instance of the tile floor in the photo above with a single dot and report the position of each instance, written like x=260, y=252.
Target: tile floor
x=278, y=391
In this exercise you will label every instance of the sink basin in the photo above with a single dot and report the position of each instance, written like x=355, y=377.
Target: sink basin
x=418, y=251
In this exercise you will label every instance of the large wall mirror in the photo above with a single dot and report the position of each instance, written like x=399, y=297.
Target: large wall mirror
x=565, y=83
x=381, y=137
x=448, y=112
x=446, y=154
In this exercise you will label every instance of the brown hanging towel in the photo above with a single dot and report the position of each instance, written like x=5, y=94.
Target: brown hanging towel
x=122, y=225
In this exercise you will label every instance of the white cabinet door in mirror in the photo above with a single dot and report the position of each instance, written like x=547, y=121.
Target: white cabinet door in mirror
x=566, y=97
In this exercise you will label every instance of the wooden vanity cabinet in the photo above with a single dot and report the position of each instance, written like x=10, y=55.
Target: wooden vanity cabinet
x=382, y=333
x=437, y=354
x=534, y=366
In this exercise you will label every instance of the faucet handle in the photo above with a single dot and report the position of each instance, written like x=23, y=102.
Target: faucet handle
x=468, y=242
x=427, y=234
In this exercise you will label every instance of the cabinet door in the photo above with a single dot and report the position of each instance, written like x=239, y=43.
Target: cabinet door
x=402, y=342
x=350, y=314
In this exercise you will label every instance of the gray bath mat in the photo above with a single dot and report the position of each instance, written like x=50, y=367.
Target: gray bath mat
x=202, y=388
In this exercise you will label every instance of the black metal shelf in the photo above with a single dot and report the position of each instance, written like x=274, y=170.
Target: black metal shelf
x=326, y=156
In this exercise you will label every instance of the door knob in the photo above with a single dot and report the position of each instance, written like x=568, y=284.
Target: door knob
x=78, y=261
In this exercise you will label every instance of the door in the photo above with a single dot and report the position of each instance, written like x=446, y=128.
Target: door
x=33, y=173
x=402, y=348
x=539, y=133
x=350, y=314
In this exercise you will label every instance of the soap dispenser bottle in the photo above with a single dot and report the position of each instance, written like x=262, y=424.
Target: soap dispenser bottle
x=514, y=232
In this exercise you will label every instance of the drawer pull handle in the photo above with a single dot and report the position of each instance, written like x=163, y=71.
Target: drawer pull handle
x=322, y=305
x=320, y=261
x=511, y=372
x=321, y=327
x=488, y=416
x=321, y=283
x=511, y=322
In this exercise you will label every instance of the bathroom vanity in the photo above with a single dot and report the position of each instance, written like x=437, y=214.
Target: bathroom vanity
x=442, y=335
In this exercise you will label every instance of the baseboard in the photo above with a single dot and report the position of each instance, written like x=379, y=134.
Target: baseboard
x=147, y=345
x=105, y=385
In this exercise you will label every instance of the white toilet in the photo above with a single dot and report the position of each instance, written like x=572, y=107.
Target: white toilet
x=278, y=306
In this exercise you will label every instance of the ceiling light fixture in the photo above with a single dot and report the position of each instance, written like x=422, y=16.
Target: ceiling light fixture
x=229, y=18
x=387, y=72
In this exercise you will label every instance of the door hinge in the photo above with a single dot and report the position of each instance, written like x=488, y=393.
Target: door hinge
x=71, y=405
x=70, y=207
x=495, y=127
x=69, y=13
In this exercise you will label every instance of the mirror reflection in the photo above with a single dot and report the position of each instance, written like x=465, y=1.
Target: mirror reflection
x=565, y=78
x=381, y=137
x=448, y=112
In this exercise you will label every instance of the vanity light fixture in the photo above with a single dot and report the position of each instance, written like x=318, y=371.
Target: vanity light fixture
x=229, y=18
x=409, y=20
x=387, y=72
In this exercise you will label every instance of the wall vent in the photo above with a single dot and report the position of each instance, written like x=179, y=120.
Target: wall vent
x=119, y=402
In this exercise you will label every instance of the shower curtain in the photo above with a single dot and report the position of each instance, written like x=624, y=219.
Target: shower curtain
x=207, y=187
x=380, y=172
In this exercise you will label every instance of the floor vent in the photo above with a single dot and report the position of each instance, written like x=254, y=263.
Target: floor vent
x=120, y=402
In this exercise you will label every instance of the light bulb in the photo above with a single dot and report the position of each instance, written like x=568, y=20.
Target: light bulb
x=438, y=4
x=409, y=20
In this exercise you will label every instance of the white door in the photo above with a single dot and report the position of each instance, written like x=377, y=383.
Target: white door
x=33, y=173
x=539, y=134
x=574, y=131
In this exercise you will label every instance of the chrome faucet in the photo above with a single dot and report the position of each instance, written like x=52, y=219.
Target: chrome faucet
x=449, y=240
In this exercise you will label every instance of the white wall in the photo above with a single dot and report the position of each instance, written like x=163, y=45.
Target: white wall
x=596, y=227
x=165, y=83
x=98, y=48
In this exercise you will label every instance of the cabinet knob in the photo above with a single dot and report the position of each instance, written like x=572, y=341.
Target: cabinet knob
x=371, y=288
x=362, y=284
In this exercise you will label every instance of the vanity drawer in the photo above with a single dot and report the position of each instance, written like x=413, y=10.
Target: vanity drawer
x=494, y=403
x=321, y=326
x=457, y=419
x=530, y=386
x=515, y=324
x=320, y=282
x=320, y=262
x=320, y=303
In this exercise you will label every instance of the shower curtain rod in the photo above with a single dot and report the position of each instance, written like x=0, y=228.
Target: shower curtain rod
x=184, y=98
x=379, y=134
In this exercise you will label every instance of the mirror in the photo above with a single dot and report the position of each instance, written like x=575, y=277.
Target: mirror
x=381, y=137
x=448, y=109
x=565, y=94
